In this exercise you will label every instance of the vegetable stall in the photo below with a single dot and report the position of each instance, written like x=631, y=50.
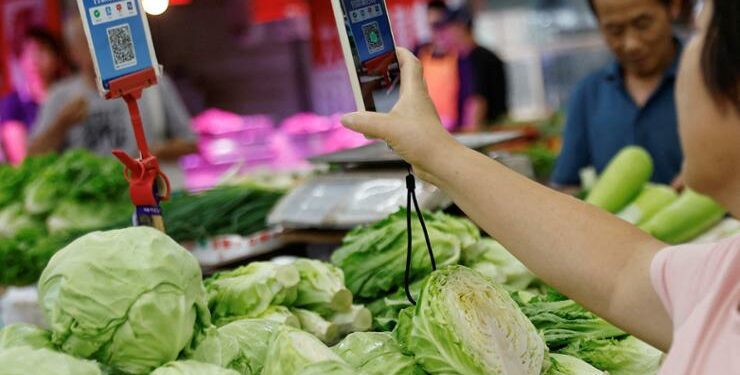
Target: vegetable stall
x=121, y=300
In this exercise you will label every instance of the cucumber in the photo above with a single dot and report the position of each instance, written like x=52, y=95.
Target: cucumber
x=622, y=180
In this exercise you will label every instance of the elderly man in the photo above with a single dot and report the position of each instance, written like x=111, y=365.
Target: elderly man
x=631, y=100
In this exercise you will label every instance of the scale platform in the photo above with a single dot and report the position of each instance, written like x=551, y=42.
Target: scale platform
x=364, y=185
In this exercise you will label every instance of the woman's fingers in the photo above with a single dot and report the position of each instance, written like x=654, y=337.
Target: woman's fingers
x=412, y=79
x=371, y=124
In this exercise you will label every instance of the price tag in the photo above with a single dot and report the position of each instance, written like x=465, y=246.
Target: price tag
x=118, y=35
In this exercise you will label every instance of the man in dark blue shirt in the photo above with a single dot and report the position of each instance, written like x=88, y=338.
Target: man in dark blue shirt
x=630, y=101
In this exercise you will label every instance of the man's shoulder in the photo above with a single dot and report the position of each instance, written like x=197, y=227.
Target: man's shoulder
x=591, y=82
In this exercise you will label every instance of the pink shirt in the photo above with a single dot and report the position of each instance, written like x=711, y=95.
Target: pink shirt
x=699, y=286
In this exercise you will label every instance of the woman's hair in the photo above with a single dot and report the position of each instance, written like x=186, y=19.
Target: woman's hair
x=720, y=61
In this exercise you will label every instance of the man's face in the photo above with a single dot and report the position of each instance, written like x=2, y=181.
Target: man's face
x=638, y=32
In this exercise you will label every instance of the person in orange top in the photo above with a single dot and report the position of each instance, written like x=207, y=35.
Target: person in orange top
x=467, y=82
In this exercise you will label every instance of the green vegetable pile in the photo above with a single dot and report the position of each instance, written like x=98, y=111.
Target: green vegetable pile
x=133, y=301
x=49, y=201
x=623, y=189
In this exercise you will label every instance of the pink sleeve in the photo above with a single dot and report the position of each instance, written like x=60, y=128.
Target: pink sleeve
x=683, y=275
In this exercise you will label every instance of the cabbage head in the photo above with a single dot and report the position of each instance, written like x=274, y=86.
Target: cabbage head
x=293, y=350
x=22, y=334
x=329, y=368
x=491, y=259
x=250, y=290
x=192, y=368
x=282, y=315
x=561, y=364
x=373, y=258
x=321, y=287
x=132, y=299
x=241, y=345
x=25, y=360
x=376, y=353
x=464, y=324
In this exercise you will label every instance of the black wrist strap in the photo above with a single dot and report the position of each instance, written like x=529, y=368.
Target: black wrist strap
x=411, y=198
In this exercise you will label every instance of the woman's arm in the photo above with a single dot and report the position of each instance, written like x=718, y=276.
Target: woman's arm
x=585, y=252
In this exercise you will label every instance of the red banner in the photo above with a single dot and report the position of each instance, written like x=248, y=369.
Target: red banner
x=264, y=11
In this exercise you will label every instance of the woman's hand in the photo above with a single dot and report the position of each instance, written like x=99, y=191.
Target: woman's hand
x=412, y=128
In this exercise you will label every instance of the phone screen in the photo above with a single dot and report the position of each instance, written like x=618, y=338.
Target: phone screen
x=374, y=52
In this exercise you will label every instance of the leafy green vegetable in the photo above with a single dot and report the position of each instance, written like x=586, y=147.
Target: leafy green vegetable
x=238, y=210
x=250, y=290
x=685, y=219
x=321, y=287
x=464, y=324
x=282, y=315
x=622, y=180
x=71, y=215
x=543, y=160
x=357, y=319
x=373, y=257
x=314, y=324
x=13, y=220
x=294, y=350
x=13, y=180
x=652, y=199
x=562, y=321
x=385, y=310
x=495, y=262
x=241, y=345
x=618, y=357
x=192, y=368
x=376, y=353
x=25, y=360
x=561, y=364
x=329, y=368
x=132, y=299
x=22, y=258
x=24, y=335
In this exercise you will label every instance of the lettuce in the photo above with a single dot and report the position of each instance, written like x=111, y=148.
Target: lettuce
x=192, y=368
x=132, y=299
x=329, y=368
x=464, y=324
x=376, y=353
x=321, y=287
x=561, y=364
x=26, y=360
x=373, y=257
x=495, y=262
x=241, y=345
x=250, y=290
x=618, y=357
x=293, y=350
x=22, y=334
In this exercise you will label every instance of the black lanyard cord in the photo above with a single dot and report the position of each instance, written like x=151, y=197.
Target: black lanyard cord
x=411, y=197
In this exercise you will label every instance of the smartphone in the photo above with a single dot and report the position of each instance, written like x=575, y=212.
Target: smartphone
x=370, y=53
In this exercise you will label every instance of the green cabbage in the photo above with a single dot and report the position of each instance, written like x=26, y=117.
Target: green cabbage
x=294, y=350
x=282, y=315
x=26, y=361
x=618, y=357
x=385, y=310
x=241, y=345
x=561, y=364
x=464, y=324
x=329, y=368
x=495, y=262
x=376, y=353
x=250, y=290
x=192, y=368
x=563, y=321
x=357, y=319
x=321, y=287
x=22, y=334
x=71, y=215
x=132, y=299
x=316, y=325
x=373, y=257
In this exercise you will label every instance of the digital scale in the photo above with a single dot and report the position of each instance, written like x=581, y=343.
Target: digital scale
x=364, y=185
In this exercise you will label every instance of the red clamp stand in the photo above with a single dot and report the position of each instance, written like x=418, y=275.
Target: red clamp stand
x=148, y=185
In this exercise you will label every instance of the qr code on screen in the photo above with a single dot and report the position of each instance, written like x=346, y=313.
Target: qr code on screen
x=122, y=46
x=373, y=39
